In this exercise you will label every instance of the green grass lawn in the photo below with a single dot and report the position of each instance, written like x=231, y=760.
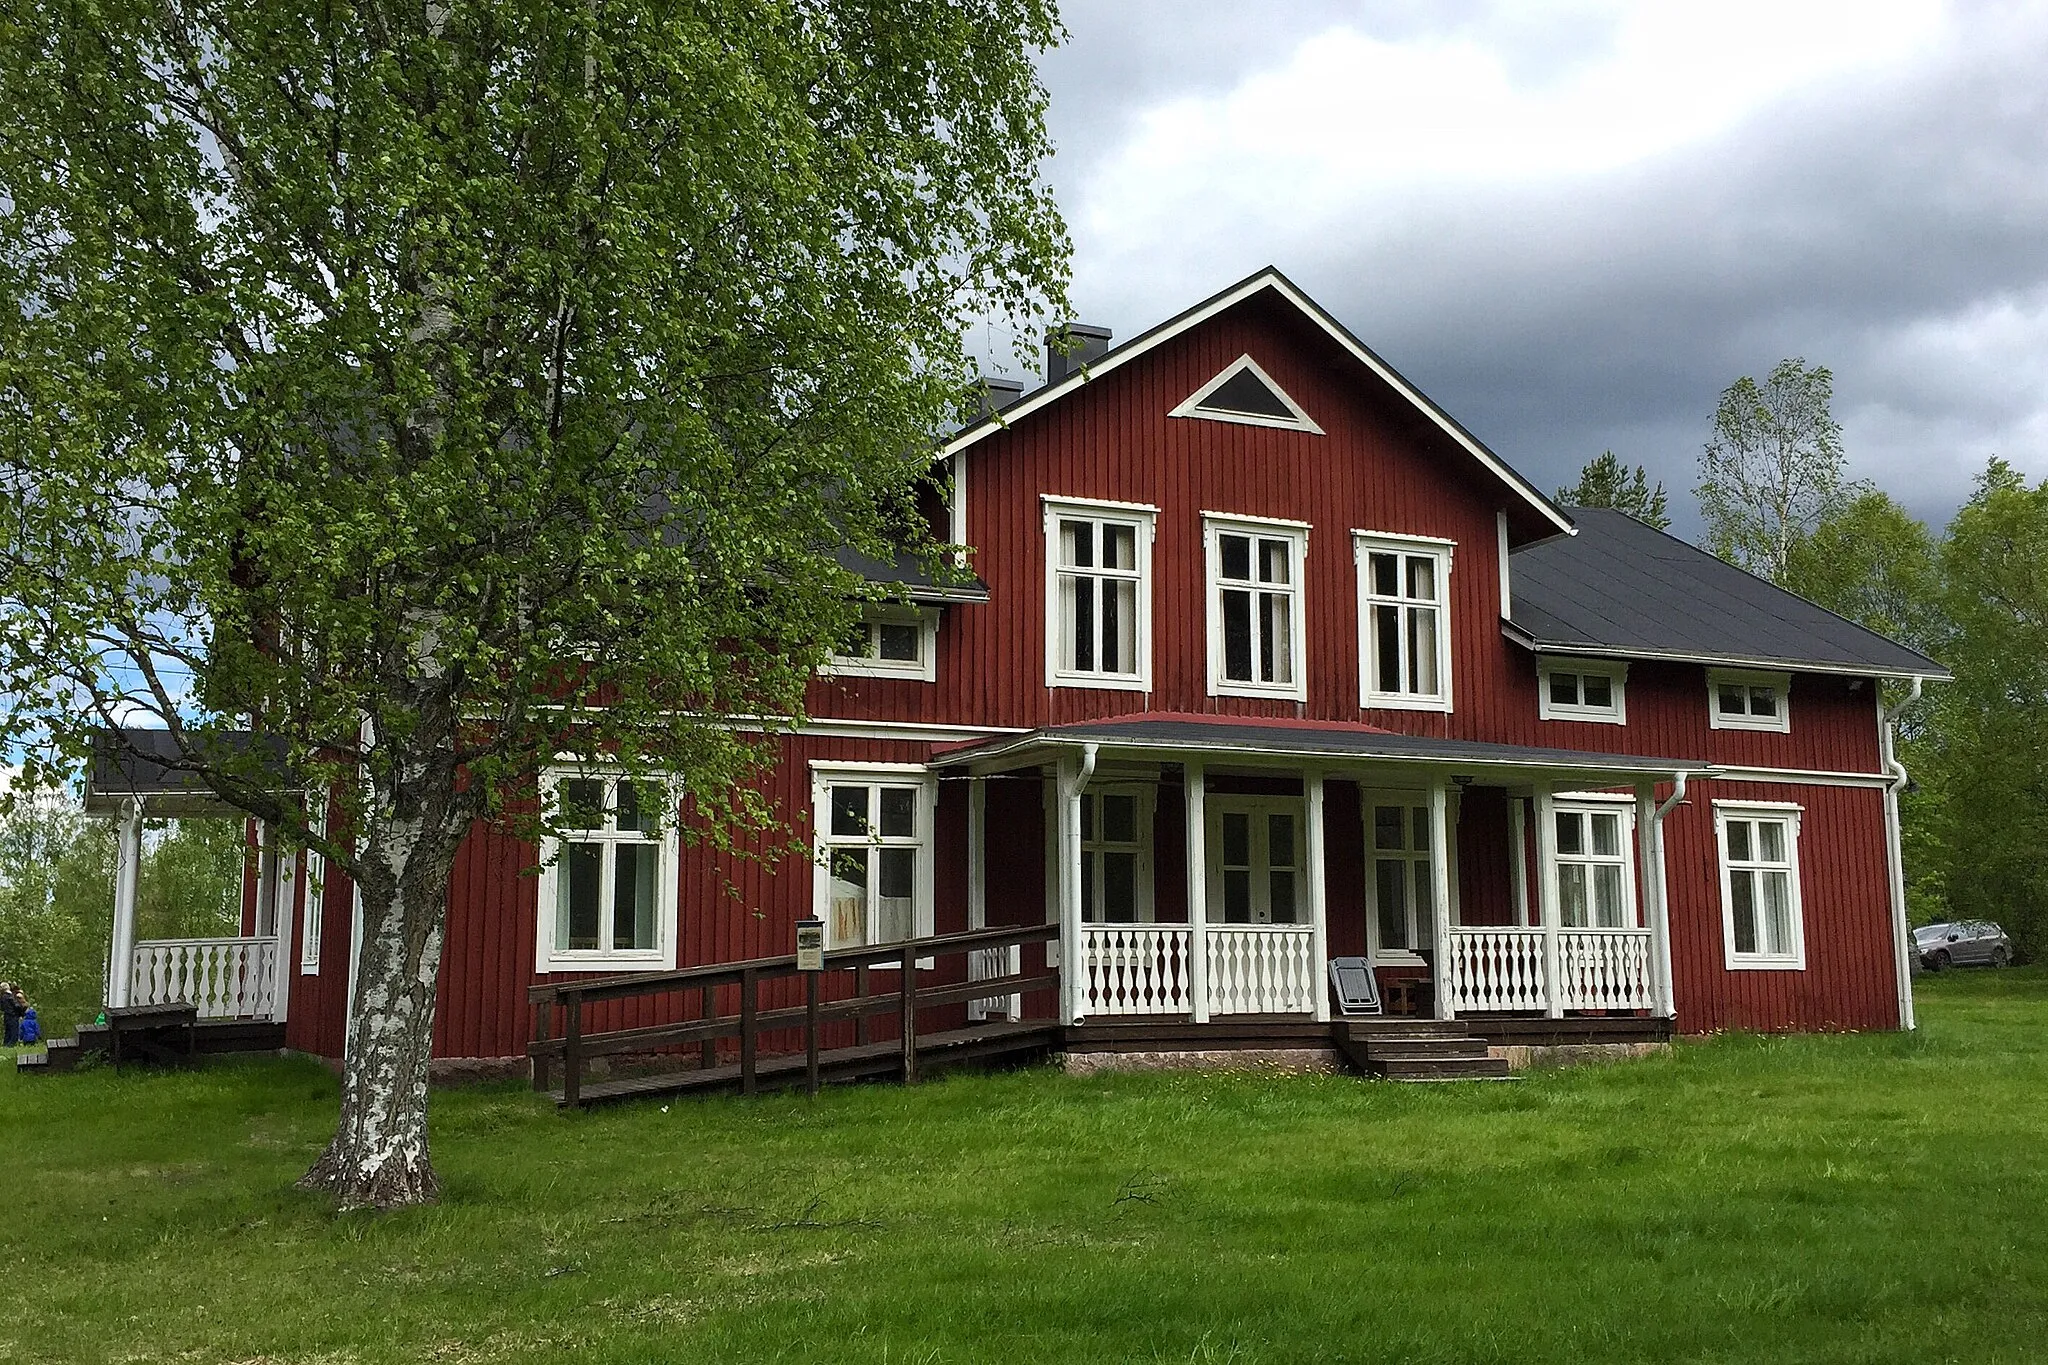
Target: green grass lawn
x=1797, y=1199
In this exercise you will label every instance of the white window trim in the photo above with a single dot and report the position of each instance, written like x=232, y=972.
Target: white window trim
x=1616, y=673
x=925, y=668
x=1191, y=406
x=824, y=774
x=1778, y=724
x=1590, y=804
x=1144, y=517
x=313, y=920
x=1792, y=814
x=1216, y=805
x=1362, y=544
x=1146, y=796
x=662, y=957
x=1295, y=533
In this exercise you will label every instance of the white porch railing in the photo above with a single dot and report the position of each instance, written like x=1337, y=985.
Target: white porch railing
x=227, y=978
x=1500, y=968
x=1135, y=969
x=991, y=964
x=1262, y=969
x=1605, y=969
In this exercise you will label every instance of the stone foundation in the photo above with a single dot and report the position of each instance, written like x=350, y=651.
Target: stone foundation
x=1522, y=1056
x=1273, y=1060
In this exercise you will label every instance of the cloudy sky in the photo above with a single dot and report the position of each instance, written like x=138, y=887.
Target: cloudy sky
x=1573, y=224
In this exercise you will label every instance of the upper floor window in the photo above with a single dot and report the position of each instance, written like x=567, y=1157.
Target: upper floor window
x=1582, y=689
x=1255, y=618
x=608, y=876
x=874, y=851
x=1098, y=594
x=1760, y=912
x=1404, y=624
x=890, y=642
x=1742, y=700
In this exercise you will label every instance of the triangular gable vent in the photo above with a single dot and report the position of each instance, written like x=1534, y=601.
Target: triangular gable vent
x=1245, y=393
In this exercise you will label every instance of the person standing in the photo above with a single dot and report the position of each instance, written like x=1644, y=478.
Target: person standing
x=12, y=1006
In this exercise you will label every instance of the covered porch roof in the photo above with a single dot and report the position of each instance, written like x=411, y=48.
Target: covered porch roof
x=1259, y=741
x=149, y=768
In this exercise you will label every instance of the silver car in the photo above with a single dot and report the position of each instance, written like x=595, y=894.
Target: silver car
x=1963, y=943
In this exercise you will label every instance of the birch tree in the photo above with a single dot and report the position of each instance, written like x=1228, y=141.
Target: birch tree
x=1773, y=469
x=429, y=388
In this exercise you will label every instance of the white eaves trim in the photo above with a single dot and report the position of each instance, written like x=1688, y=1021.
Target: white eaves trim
x=1272, y=279
x=1587, y=649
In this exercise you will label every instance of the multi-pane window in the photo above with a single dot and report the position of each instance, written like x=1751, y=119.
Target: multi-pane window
x=1115, y=881
x=1760, y=886
x=1255, y=643
x=1256, y=853
x=608, y=880
x=874, y=845
x=1404, y=623
x=1748, y=701
x=1403, y=891
x=888, y=642
x=1568, y=690
x=1594, y=890
x=1099, y=600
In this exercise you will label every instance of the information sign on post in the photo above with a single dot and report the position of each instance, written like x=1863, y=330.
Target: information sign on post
x=810, y=945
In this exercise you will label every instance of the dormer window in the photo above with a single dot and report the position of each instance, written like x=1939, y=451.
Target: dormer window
x=1742, y=700
x=1582, y=689
x=1246, y=394
x=890, y=642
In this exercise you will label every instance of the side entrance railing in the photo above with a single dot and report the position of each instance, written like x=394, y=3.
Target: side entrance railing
x=563, y=1035
x=224, y=978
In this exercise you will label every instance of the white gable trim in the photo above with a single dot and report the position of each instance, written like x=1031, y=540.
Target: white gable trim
x=1272, y=279
x=1191, y=406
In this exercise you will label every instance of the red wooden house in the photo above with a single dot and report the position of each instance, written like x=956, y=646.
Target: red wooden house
x=1269, y=662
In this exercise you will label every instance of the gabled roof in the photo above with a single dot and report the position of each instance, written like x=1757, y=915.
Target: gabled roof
x=1620, y=589
x=1253, y=739
x=1270, y=281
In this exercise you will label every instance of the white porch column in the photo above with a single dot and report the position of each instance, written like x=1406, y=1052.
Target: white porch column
x=285, y=916
x=1068, y=882
x=1196, y=785
x=1666, y=1003
x=1318, y=893
x=127, y=876
x=977, y=853
x=1440, y=897
x=1546, y=900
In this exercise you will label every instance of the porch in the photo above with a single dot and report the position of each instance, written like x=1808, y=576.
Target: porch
x=1480, y=881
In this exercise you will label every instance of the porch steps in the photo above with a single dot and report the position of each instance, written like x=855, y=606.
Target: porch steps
x=1416, y=1050
x=210, y=1037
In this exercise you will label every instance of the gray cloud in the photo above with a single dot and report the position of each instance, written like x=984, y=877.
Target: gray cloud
x=1892, y=225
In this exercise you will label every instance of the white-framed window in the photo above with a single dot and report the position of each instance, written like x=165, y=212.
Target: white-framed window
x=873, y=830
x=1399, y=884
x=316, y=891
x=1761, y=923
x=1257, y=646
x=1595, y=885
x=608, y=876
x=1404, y=621
x=1246, y=394
x=1738, y=699
x=890, y=642
x=1256, y=860
x=1582, y=689
x=1116, y=854
x=1098, y=594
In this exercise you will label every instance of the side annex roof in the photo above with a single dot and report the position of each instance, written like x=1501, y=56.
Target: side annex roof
x=1265, y=280
x=1620, y=589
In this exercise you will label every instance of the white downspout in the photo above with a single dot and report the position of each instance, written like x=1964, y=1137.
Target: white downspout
x=1902, y=953
x=1660, y=926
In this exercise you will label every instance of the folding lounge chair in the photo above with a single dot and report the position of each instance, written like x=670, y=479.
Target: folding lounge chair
x=1352, y=982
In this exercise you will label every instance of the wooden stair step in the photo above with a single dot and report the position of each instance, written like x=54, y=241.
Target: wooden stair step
x=1434, y=1049
x=1449, y=1069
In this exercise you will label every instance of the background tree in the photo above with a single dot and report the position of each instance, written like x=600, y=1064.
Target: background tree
x=1874, y=562
x=1773, y=469
x=437, y=387
x=1607, y=482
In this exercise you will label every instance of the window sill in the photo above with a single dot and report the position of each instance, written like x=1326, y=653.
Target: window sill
x=1256, y=692
x=1584, y=717
x=1101, y=682
x=854, y=668
x=1398, y=957
x=1766, y=964
x=656, y=961
x=1400, y=702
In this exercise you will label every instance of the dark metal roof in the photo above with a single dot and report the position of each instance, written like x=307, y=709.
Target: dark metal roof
x=1619, y=588
x=1311, y=740
x=148, y=766
x=910, y=576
